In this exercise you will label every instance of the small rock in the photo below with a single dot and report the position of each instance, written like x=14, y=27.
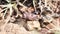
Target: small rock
x=31, y=25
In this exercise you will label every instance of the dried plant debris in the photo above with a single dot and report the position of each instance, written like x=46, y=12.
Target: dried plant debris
x=30, y=16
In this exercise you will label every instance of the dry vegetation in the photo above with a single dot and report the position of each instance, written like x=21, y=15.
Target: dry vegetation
x=29, y=16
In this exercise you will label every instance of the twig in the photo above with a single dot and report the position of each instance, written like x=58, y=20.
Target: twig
x=34, y=1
